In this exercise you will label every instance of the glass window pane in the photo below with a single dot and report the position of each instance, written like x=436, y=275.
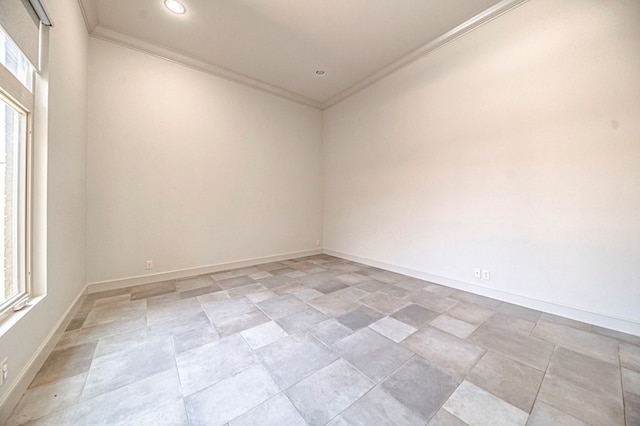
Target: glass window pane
x=15, y=61
x=12, y=211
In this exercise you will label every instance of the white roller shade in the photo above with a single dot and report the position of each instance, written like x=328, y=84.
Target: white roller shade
x=20, y=20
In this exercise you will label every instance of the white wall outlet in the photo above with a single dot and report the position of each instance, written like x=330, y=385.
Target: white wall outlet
x=317, y=243
x=148, y=265
x=486, y=274
x=4, y=370
x=477, y=273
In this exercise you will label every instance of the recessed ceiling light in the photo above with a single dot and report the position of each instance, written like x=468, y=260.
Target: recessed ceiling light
x=175, y=6
x=320, y=73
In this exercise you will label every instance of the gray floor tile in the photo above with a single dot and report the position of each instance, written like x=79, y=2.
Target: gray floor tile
x=476, y=406
x=263, y=334
x=437, y=347
x=510, y=380
x=213, y=297
x=64, y=363
x=230, y=398
x=278, y=307
x=371, y=286
x=295, y=357
x=43, y=400
x=520, y=312
x=445, y=418
x=352, y=278
x=169, y=311
x=632, y=409
x=432, y=301
x=127, y=311
x=260, y=296
x=587, y=406
x=470, y=313
x=545, y=415
x=191, y=339
x=109, y=347
x=277, y=411
x=533, y=352
x=393, y=329
x=120, y=406
x=179, y=325
x=329, y=331
x=333, y=305
x=593, y=345
x=372, y=354
x=378, y=408
x=420, y=386
x=240, y=323
x=307, y=294
x=213, y=362
x=588, y=373
x=360, y=317
x=415, y=315
x=195, y=282
x=568, y=322
x=153, y=289
x=453, y=326
x=112, y=344
x=302, y=320
x=172, y=414
x=122, y=299
x=122, y=368
x=509, y=323
x=630, y=356
x=387, y=277
x=384, y=303
x=476, y=299
x=326, y=393
x=222, y=310
x=93, y=333
x=440, y=290
x=327, y=287
x=234, y=282
x=631, y=381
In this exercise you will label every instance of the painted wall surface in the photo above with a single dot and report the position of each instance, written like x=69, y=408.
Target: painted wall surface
x=515, y=148
x=60, y=264
x=191, y=170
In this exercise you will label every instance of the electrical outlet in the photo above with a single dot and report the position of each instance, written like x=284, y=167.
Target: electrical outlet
x=477, y=273
x=317, y=243
x=486, y=274
x=4, y=370
x=148, y=265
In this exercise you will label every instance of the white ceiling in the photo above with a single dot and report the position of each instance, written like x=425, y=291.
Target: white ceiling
x=279, y=44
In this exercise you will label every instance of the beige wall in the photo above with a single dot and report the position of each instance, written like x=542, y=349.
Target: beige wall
x=191, y=170
x=516, y=149
x=60, y=252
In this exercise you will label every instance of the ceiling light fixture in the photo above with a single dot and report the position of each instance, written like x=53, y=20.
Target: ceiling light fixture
x=175, y=6
x=320, y=73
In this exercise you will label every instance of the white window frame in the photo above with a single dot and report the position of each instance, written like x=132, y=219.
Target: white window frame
x=14, y=93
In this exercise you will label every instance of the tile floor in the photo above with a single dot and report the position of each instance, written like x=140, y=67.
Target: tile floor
x=320, y=340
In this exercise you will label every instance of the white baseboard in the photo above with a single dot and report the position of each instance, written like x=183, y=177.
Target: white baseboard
x=623, y=325
x=190, y=272
x=26, y=376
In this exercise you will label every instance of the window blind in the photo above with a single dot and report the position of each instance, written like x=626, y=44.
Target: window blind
x=21, y=20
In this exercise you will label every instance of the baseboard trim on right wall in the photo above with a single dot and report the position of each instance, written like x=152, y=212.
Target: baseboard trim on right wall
x=623, y=325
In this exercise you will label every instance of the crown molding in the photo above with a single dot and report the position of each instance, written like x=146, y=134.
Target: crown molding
x=462, y=29
x=173, y=56
x=89, y=14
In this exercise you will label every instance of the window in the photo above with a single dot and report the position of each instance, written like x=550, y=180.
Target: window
x=16, y=101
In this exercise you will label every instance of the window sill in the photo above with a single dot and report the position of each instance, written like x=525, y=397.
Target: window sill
x=12, y=318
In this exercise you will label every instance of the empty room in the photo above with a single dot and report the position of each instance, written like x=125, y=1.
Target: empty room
x=338, y=212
